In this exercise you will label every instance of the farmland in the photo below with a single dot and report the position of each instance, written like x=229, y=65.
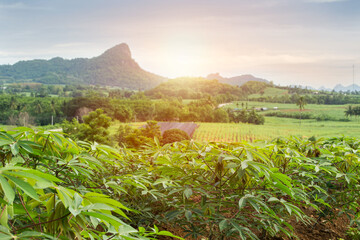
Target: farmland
x=336, y=112
x=188, y=187
x=273, y=127
x=281, y=127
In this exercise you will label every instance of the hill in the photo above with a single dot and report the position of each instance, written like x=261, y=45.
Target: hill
x=237, y=80
x=115, y=67
x=193, y=88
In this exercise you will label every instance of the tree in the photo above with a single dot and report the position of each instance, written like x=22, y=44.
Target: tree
x=135, y=138
x=122, y=113
x=151, y=130
x=220, y=115
x=94, y=128
x=174, y=135
x=130, y=137
x=349, y=111
x=301, y=102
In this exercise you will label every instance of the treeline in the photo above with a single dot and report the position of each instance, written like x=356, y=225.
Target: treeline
x=24, y=111
x=46, y=90
x=328, y=99
x=197, y=88
x=18, y=110
x=246, y=116
x=298, y=115
x=140, y=108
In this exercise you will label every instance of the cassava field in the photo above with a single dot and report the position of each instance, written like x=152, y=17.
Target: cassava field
x=274, y=127
x=289, y=188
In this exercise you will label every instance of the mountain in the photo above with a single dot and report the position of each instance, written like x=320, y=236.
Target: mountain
x=115, y=67
x=350, y=88
x=237, y=81
x=323, y=88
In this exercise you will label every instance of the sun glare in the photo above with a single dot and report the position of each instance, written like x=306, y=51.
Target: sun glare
x=184, y=56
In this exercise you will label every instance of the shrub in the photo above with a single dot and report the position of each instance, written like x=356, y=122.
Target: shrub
x=174, y=135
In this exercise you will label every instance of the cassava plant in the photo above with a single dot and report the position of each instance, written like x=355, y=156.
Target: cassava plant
x=54, y=188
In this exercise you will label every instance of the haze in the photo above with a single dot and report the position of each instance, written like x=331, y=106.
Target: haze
x=307, y=42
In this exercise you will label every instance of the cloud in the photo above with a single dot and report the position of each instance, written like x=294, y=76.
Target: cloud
x=21, y=6
x=70, y=44
x=325, y=1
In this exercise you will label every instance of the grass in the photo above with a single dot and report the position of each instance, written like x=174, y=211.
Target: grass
x=336, y=112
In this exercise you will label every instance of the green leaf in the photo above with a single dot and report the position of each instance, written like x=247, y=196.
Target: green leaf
x=32, y=234
x=283, y=178
x=242, y=201
x=107, y=218
x=14, y=148
x=283, y=188
x=169, y=234
x=188, y=192
x=44, y=175
x=273, y=199
x=4, y=217
x=100, y=198
x=4, y=236
x=126, y=229
x=64, y=197
x=8, y=190
x=27, y=175
x=188, y=215
x=26, y=187
x=223, y=224
x=5, y=142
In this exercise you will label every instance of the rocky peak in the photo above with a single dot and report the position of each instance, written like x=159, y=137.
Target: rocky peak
x=120, y=51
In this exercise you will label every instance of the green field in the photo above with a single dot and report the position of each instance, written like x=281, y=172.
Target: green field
x=334, y=111
x=274, y=127
x=269, y=92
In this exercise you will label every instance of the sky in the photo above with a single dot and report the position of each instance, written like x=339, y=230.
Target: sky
x=289, y=42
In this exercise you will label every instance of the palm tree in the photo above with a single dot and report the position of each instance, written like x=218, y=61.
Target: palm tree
x=301, y=102
x=349, y=111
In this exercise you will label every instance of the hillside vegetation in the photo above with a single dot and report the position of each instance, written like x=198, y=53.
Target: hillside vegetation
x=115, y=67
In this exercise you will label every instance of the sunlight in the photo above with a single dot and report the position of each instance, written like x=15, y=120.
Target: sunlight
x=183, y=55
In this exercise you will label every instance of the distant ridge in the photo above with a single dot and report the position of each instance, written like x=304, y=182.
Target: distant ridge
x=115, y=67
x=352, y=87
x=237, y=81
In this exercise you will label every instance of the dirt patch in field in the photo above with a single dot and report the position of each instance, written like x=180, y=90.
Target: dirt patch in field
x=329, y=229
x=323, y=229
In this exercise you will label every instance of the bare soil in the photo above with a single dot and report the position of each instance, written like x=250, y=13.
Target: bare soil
x=323, y=229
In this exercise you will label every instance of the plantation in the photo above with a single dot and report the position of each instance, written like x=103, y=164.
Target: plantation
x=274, y=127
x=55, y=188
